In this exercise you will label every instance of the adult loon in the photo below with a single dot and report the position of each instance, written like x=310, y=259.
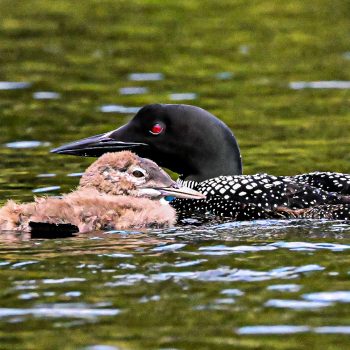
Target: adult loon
x=203, y=150
x=118, y=191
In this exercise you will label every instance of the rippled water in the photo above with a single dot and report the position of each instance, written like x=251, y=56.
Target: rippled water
x=277, y=73
x=216, y=286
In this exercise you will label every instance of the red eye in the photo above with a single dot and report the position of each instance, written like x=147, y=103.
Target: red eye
x=156, y=129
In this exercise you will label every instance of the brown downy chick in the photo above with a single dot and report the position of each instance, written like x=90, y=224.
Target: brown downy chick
x=118, y=191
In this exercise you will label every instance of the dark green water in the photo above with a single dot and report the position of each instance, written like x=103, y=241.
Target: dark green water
x=260, y=285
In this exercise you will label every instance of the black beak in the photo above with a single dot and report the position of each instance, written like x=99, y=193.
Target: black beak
x=95, y=146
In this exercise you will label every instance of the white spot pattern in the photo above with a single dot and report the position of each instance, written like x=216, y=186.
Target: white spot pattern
x=246, y=197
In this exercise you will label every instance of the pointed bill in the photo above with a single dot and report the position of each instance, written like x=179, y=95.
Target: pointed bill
x=95, y=146
x=182, y=192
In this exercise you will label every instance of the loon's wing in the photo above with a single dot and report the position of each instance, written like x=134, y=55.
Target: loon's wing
x=268, y=191
x=327, y=181
x=260, y=196
x=326, y=211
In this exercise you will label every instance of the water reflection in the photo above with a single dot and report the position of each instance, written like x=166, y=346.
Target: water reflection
x=306, y=246
x=183, y=96
x=244, y=49
x=296, y=304
x=135, y=90
x=119, y=109
x=285, y=287
x=291, y=329
x=221, y=274
x=27, y=144
x=332, y=84
x=46, y=189
x=145, y=76
x=13, y=85
x=100, y=347
x=75, y=174
x=332, y=330
x=46, y=95
x=63, y=280
x=73, y=310
x=339, y=296
x=99, y=276
x=46, y=175
x=276, y=329
x=224, y=75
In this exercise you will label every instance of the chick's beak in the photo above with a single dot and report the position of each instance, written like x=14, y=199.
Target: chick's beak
x=172, y=190
x=181, y=192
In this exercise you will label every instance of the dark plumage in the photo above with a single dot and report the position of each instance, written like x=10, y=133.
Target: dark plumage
x=118, y=191
x=197, y=145
x=327, y=181
x=261, y=196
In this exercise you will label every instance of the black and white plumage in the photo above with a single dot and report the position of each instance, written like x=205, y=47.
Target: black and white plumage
x=327, y=181
x=191, y=141
x=262, y=196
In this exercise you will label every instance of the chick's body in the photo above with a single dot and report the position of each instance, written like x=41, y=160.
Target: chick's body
x=118, y=191
x=89, y=210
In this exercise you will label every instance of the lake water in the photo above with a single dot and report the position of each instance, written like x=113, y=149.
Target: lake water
x=278, y=73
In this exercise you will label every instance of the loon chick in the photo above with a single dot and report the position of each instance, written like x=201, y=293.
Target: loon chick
x=194, y=143
x=118, y=191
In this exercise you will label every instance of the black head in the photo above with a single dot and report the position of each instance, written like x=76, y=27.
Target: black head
x=185, y=139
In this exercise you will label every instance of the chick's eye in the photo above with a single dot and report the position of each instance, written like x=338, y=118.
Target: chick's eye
x=156, y=129
x=138, y=173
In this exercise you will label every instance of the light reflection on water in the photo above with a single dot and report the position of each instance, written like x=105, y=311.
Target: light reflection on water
x=56, y=310
x=334, y=84
x=136, y=90
x=183, y=96
x=13, y=85
x=119, y=109
x=26, y=144
x=145, y=76
x=46, y=189
x=110, y=277
x=46, y=95
x=290, y=329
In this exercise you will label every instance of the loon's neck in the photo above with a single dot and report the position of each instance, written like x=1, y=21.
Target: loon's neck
x=215, y=158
